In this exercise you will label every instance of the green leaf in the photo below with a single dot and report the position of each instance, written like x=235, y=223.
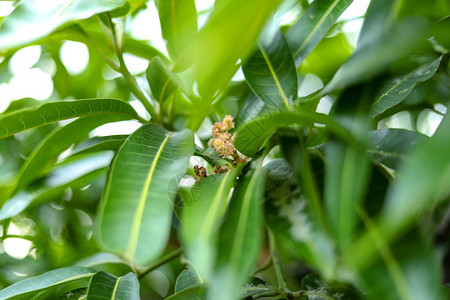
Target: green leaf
x=135, y=215
x=250, y=137
x=372, y=59
x=178, y=20
x=201, y=218
x=32, y=20
x=314, y=24
x=240, y=237
x=316, y=287
x=135, y=4
x=98, y=144
x=107, y=286
x=216, y=50
x=160, y=79
x=422, y=184
x=288, y=214
x=271, y=72
x=78, y=294
x=390, y=146
x=193, y=293
x=254, y=287
x=26, y=288
x=189, y=277
x=61, y=110
x=397, y=89
x=21, y=104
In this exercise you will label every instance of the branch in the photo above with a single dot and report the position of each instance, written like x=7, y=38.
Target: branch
x=161, y=262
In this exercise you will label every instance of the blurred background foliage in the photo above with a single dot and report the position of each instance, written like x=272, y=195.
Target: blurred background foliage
x=55, y=228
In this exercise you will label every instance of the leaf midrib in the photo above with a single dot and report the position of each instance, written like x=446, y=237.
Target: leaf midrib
x=134, y=235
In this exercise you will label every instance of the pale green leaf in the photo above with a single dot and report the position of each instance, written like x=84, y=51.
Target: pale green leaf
x=313, y=25
x=32, y=20
x=271, y=72
x=178, y=20
x=107, y=286
x=201, y=218
x=240, y=237
x=189, y=277
x=135, y=215
x=61, y=110
x=25, y=289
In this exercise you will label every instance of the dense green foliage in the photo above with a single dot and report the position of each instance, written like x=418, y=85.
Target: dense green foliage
x=236, y=181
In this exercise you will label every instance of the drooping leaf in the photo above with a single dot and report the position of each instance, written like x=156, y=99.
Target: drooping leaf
x=271, y=72
x=178, y=20
x=134, y=218
x=188, y=278
x=314, y=24
x=201, y=218
x=61, y=110
x=160, y=79
x=251, y=136
x=25, y=289
x=379, y=54
x=240, y=237
x=106, y=286
x=32, y=20
x=390, y=146
x=397, y=89
x=197, y=292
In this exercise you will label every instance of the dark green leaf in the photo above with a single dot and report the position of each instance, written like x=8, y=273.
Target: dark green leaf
x=32, y=20
x=240, y=237
x=314, y=24
x=271, y=72
x=397, y=89
x=26, y=288
x=189, y=277
x=250, y=137
x=254, y=287
x=178, y=20
x=61, y=110
x=390, y=146
x=107, y=286
x=134, y=218
x=201, y=218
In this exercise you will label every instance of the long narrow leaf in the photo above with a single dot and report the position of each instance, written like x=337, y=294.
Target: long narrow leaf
x=271, y=73
x=61, y=110
x=134, y=218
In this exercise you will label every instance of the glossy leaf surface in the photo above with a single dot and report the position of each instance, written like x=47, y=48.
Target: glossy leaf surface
x=134, y=218
x=61, y=110
x=160, y=80
x=240, y=237
x=201, y=218
x=271, y=72
x=25, y=289
x=313, y=25
x=32, y=20
x=106, y=286
x=397, y=89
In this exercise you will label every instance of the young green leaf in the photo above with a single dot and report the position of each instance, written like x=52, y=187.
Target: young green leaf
x=390, y=146
x=107, y=286
x=32, y=20
x=271, y=72
x=61, y=110
x=134, y=218
x=200, y=219
x=240, y=237
x=25, y=289
x=397, y=89
x=314, y=24
x=178, y=20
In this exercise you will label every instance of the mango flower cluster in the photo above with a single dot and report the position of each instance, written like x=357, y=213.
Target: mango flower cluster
x=222, y=140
